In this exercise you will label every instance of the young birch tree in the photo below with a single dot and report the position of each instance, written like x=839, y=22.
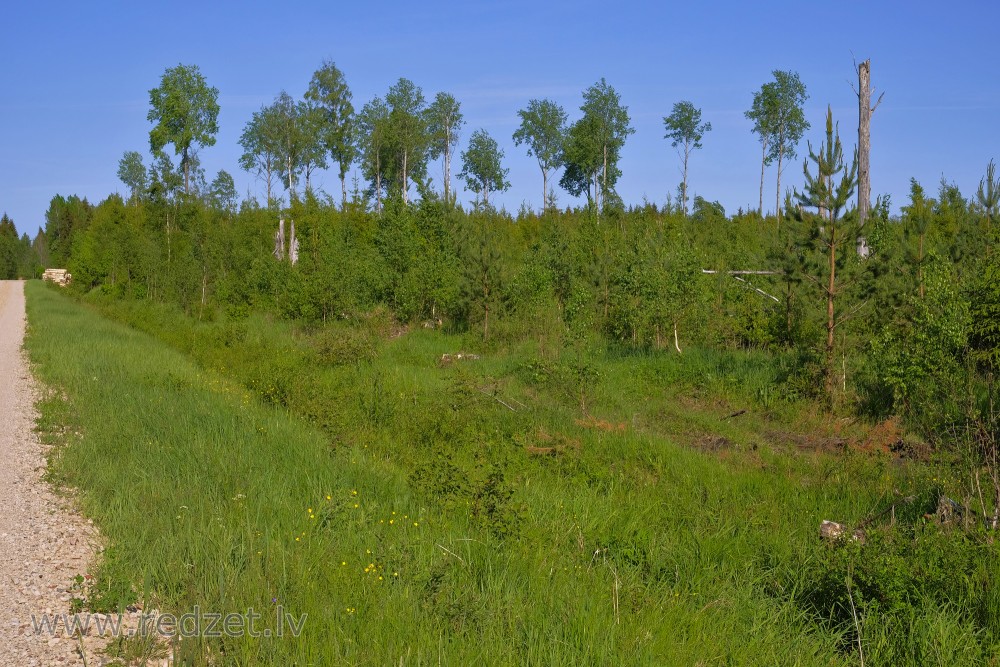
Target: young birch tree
x=444, y=120
x=543, y=129
x=328, y=89
x=685, y=130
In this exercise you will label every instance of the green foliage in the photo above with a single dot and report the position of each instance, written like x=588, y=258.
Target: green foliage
x=543, y=129
x=988, y=195
x=185, y=111
x=827, y=238
x=65, y=218
x=901, y=584
x=374, y=146
x=984, y=316
x=331, y=464
x=594, y=143
x=919, y=356
x=779, y=123
x=338, y=126
x=132, y=172
x=408, y=134
x=706, y=212
x=778, y=115
x=222, y=192
x=17, y=257
x=261, y=142
x=482, y=167
x=444, y=122
x=684, y=128
x=299, y=132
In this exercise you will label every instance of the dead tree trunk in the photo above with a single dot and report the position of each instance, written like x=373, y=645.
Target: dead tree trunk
x=279, y=241
x=865, y=111
x=864, y=140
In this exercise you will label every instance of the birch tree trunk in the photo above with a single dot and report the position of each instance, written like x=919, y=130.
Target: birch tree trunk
x=406, y=184
x=777, y=192
x=378, y=184
x=270, y=169
x=604, y=191
x=447, y=164
x=763, y=160
x=545, y=188
x=684, y=184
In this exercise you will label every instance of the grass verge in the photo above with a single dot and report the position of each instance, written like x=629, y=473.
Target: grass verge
x=462, y=514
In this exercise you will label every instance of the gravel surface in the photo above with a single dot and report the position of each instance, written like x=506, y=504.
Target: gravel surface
x=44, y=544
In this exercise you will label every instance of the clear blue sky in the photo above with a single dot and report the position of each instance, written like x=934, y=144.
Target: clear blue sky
x=75, y=80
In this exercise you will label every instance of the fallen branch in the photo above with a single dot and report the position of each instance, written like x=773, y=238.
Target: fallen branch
x=891, y=508
x=757, y=289
x=857, y=625
x=498, y=400
x=449, y=551
x=766, y=272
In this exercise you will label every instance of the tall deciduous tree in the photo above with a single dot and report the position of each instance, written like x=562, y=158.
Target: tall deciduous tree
x=311, y=130
x=373, y=137
x=132, y=172
x=299, y=147
x=583, y=162
x=763, y=113
x=261, y=146
x=482, y=167
x=543, y=129
x=685, y=130
x=779, y=122
x=328, y=89
x=594, y=144
x=185, y=110
x=829, y=227
x=409, y=137
x=444, y=120
x=290, y=142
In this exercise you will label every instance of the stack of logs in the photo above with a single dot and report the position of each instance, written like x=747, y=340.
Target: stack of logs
x=58, y=276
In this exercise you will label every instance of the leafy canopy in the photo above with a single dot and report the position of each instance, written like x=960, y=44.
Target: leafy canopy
x=684, y=127
x=185, y=110
x=543, y=129
x=482, y=170
x=329, y=91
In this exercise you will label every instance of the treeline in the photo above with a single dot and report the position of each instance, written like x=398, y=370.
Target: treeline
x=393, y=139
x=898, y=314
x=899, y=317
x=19, y=256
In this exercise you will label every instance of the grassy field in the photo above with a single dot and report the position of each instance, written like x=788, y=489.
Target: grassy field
x=566, y=506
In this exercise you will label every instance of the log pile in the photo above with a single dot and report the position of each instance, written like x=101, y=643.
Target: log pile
x=58, y=276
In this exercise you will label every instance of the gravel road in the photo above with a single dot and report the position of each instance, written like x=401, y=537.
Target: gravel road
x=43, y=543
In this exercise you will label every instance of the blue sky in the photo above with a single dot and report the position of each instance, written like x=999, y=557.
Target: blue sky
x=75, y=81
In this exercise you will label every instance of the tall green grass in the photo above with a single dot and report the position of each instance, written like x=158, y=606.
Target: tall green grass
x=349, y=476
